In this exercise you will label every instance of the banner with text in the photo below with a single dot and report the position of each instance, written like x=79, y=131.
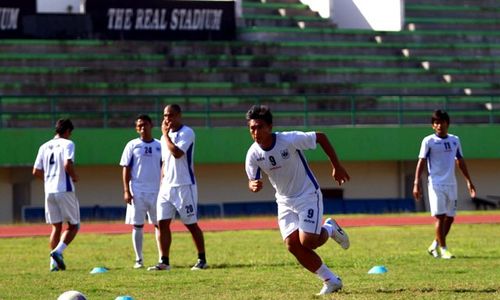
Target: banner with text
x=162, y=20
x=12, y=14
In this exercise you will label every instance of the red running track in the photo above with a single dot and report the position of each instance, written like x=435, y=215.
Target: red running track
x=246, y=224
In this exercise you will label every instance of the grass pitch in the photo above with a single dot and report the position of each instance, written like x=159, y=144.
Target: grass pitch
x=256, y=265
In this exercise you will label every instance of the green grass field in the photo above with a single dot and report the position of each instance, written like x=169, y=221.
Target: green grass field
x=255, y=265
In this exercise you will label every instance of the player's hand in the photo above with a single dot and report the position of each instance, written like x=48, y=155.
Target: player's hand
x=472, y=189
x=127, y=196
x=75, y=178
x=165, y=127
x=417, y=193
x=340, y=175
x=255, y=185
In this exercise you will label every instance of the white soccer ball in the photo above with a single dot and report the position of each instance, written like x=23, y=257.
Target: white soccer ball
x=72, y=295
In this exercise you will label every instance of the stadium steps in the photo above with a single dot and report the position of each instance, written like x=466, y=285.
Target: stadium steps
x=163, y=50
x=257, y=20
x=452, y=9
x=446, y=23
x=294, y=9
x=334, y=34
x=326, y=59
x=200, y=48
x=229, y=75
x=254, y=88
x=473, y=57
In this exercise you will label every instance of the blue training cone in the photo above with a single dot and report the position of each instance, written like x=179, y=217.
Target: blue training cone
x=98, y=270
x=378, y=270
x=126, y=297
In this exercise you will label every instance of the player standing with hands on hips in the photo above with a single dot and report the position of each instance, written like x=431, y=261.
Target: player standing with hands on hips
x=298, y=195
x=54, y=165
x=441, y=151
x=141, y=162
x=178, y=190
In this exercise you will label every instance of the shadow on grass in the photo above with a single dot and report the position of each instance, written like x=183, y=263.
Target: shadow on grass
x=259, y=265
x=216, y=266
x=495, y=258
x=431, y=290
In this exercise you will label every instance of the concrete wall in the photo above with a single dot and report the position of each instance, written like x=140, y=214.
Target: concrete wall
x=377, y=170
x=381, y=15
x=60, y=6
x=6, y=215
x=227, y=183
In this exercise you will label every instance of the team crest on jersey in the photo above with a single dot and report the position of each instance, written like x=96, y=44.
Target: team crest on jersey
x=285, y=154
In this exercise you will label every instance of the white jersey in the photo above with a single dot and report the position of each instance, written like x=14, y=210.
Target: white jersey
x=285, y=164
x=179, y=171
x=50, y=159
x=144, y=160
x=440, y=154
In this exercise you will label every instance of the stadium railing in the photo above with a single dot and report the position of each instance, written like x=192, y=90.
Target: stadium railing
x=112, y=111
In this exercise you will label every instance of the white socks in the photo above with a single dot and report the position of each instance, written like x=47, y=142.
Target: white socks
x=60, y=247
x=325, y=274
x=137, y=237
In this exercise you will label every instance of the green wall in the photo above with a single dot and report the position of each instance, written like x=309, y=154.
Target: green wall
x=229, y=145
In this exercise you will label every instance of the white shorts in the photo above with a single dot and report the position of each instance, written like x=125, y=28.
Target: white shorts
x=143, y=204
x=62, y=207
x=182, y=199
x=443, y=199
x=305, y=214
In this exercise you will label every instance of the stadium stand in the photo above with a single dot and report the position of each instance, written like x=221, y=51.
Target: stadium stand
x=282, y=49
x=313, y=74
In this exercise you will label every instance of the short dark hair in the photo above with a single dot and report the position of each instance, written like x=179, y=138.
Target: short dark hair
x=64, y=124
x=440, y=115
x=175, y=107
x=143, y=117
x=260, y=112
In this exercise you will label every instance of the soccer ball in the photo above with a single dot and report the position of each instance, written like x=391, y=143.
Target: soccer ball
x=72, y=295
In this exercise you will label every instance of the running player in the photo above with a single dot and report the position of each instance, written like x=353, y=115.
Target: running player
x=178, y=190
x=441, y=151
x=298, y=195
x=54, y=165
x=141, y=162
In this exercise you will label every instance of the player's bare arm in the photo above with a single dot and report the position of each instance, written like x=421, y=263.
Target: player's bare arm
x=38, y=173
x=339, y=173
x=417, y=192
x=174, y=150
x=463, y=168
x=255, y=185
x=126, y=177
x=70, y=169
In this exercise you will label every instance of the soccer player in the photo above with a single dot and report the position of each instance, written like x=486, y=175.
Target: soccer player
x=441, y=151
x=298, y=195
x=178, y=190
x=141, y=162
x=54, y=165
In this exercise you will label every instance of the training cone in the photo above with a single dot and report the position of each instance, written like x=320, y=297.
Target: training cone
x=98, y=270
x=378, y=270
x=126, y=297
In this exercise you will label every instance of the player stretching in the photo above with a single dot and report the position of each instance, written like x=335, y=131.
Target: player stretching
x=298, y=195
x=441, y=151
x=54, y=165
x=178, y=191
x=141, y=162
